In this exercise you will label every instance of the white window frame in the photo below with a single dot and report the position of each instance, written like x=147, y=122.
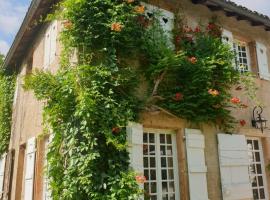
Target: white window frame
x=157, y=133
x=235, y=48
x=263, y=174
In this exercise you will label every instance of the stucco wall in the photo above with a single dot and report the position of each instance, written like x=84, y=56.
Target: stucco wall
x=27, y=116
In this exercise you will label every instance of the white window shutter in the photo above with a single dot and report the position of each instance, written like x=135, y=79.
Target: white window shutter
x=234, y=167
x=165, y=17
x=135, y=145
x=262, y=61
x=196, y=164
x=2, y=173
x=227, y=37
x=47, y=47
x=46, y=189
x=53, y=41
x=30, y=169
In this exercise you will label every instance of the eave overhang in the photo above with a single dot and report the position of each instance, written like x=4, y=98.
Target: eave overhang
x=239, y=12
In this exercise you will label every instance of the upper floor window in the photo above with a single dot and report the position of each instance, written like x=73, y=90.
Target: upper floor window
x=242, y=57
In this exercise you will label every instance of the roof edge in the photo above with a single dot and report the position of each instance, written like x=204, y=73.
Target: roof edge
x=27, y=19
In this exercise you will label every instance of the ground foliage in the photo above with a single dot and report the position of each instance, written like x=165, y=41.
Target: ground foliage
x=88, y=106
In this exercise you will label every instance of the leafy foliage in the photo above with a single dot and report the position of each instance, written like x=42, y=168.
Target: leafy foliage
x=6, y=100
x=89, y=105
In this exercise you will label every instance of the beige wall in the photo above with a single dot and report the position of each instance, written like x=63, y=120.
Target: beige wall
x=27, y=115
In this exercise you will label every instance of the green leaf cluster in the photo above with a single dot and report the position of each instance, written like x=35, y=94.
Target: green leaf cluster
x=7, y=83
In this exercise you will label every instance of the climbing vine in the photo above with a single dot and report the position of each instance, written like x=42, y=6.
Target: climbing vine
x=6, y=99
x=189, y=73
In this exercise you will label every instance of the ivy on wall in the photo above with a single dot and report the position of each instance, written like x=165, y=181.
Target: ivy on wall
x=7, y=83
x=89, y=105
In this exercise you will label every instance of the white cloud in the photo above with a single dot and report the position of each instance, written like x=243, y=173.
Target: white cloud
x=11, y=16
x=4, y=47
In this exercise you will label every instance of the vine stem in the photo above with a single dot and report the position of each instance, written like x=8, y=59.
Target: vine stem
x=160, y=78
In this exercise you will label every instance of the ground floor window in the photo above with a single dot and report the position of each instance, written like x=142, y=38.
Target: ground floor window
x=160, y=166
x=257, y=169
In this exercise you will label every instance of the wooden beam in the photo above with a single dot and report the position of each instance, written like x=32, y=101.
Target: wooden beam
x=198, y=1
x=253, y=23
x=230, y=14
x=214, y=8
x=239, y=18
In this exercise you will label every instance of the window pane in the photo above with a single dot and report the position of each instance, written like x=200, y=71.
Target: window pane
x=151, y=138
x=260, y=180
x=262, y=195
x=255, y=194
x=164, y=187
x=145, y=162
x=169, y=150
x=152, y=162
x=152, y=150
x=257, y=157
x=256, y=145
x=145, y=149
x=162, y=139
x=163, y=162
x=153, y=175
x=153, y=187
x=164, y=174
x=146, y=174
x=170, y=162
x=169, y=139
x=171, y=187
x=162, y=150
x=259, y=169
x=171, y=175
x=145, y=138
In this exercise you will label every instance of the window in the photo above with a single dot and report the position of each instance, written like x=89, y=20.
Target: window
x=242, y=61
x=160, y=166
x=256, y=169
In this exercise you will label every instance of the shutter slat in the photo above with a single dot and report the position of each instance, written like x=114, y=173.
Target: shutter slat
x=53, y=41
x=262, y=61
x=234, y=167
x=196, y=164
x=135, y=143
x=30, y=169
x=2, y=172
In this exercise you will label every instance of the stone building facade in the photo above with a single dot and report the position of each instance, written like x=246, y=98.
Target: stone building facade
x=180, y=161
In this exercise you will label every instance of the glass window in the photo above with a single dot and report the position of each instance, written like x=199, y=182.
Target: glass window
x=159, y=167
x=241, y=56
x=256, y=169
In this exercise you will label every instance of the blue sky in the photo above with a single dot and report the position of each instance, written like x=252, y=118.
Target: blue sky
x=12, y=13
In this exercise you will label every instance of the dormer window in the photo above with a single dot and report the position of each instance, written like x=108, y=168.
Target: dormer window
x=242, y=57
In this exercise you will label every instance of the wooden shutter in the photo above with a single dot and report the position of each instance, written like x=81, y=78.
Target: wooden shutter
x=53, y=41
x=46, y=190
x=2, y=173
x=135, y=146
x=227, y=37
x=234, y=167
x=262, y=61
x=196, y=164
x=165, y=17
x=30, y=169
x=47, y=47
